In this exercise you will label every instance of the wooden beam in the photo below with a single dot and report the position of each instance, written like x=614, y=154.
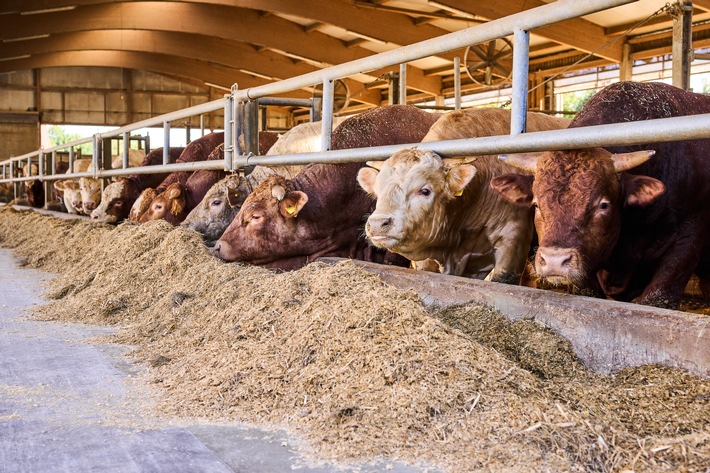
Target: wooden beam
x=229, y=23
x=577, y=33
x=239, y=56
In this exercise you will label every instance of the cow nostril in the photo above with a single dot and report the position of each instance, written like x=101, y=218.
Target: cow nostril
x=386, y=222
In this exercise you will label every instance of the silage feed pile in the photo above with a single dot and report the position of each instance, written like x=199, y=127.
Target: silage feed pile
x=358, y=370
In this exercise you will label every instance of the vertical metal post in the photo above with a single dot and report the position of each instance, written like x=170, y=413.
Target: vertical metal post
x=188, y=130
x=95, y=153
x=71, y=159
x=682, y=44
x=126, y=148
x=53, y=164
x=403, y=84
x=202, y=124
x=327, y=120
x=166, y=142
x=238, y=129
x=251, y=127
x=521, y=47
x=457, y=83
x=228, y=138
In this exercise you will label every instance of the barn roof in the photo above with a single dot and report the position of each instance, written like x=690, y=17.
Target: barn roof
x=252, y=42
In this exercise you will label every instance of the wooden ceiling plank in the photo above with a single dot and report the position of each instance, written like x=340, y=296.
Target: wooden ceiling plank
x=577, y=33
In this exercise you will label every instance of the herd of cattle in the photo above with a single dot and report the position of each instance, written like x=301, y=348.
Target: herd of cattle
x=627, y=222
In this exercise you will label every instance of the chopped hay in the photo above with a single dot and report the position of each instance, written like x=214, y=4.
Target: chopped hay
x=359, y=369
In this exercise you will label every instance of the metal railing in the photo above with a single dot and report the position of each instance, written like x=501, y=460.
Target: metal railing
x=669, y=129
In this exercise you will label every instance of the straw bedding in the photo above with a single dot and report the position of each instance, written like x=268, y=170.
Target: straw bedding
x=357, y=369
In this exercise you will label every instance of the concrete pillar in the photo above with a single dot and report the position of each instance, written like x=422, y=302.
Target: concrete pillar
x=682, y=44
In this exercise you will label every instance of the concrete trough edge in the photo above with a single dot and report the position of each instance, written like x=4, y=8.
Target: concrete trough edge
x=606, y=335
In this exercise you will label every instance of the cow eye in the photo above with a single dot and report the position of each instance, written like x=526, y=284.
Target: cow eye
x=158, y=207
x=603, y=205
x=216, y=202
x=118, y=203
x=425, y=191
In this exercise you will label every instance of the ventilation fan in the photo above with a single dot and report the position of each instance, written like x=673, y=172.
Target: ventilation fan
x=483, y=62
x=341, y=94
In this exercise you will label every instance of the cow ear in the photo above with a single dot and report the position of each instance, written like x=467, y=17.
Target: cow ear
x=366, y=177
x=458, y=177
x=59, y=185
x=515, y=188
x=173, y=192
x=177, y=206
x=292, y=204
x=233, y=196
x=641, y=190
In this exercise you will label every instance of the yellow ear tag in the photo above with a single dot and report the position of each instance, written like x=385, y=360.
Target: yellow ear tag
x=459, y=194
x=291, y=209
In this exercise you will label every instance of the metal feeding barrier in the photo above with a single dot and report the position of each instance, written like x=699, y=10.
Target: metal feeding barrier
x=237, y=104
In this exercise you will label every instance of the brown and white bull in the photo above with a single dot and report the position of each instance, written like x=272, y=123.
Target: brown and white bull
x=632, y=222
x=196, y=150
x=221, y=203
x=444, y=209
x=285, y=223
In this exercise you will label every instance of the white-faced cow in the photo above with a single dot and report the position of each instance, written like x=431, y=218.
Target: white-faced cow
x=285, y=223
x=221, y=203
x=444, y=209
x=632, y=222
x=118, y=197
x=71, y=195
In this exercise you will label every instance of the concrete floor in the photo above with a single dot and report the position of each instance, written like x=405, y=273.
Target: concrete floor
x=68, y=404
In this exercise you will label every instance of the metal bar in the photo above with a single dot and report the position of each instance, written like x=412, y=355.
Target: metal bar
x=71, y=159
x=126, y=148
x=327, y=121
x=403, y=83
x=95, y=154
x=526, y=20
x=237, y=124
x=521, y=50
x=228, y=139
x=285, y=102
x=457, y=83
x=166, y=142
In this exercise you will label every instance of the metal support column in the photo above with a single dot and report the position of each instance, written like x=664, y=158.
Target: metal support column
x=682, y=44
x=327, y=118
x=521, y=49
x=251, y=127
x=166, y=142
x=403, y=84
x=228, y=132
x=126, y=148
x=457, y=83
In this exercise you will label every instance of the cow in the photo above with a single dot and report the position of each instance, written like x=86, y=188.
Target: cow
x=285, y=223
x=221, y=203
x=33, y=188
x=71, y=195
x=444, y=210
x=90, y=194
x=196, y=150
x=118, y=197
x=629, y=222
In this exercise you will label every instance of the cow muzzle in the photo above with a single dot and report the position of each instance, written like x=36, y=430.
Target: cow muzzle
x=380, y=230
x=559, y=266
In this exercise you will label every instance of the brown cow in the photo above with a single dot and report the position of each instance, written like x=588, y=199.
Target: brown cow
x=445, y=210
x=285, y=223
x=118, y=197
x=222, y=202
x=636, y=235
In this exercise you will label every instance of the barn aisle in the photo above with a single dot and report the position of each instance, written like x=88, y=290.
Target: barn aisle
x=72, y=404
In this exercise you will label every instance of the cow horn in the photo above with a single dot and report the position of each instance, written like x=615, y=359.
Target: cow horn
x=626, y=161
x=520, y=161
x=376, y=164
x=278, y=192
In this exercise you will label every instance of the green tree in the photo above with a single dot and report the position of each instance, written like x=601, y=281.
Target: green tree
x=574, y=101
x=59, y=136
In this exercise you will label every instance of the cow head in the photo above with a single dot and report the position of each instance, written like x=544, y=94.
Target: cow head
x=578, y=198
x=71, y=195
x=265, y=224
x=116, y=201
x=90, y=193
x=412, y=189
x=168, y=205
x=140, y=206
x=218, y=207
